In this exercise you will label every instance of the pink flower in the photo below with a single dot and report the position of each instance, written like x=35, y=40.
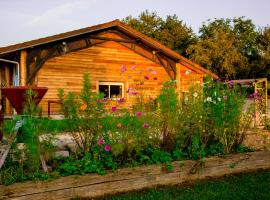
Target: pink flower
x=225, y=97
x=107, y=147
x=154, y=72
x=100, y=141
x=133, y=93
x=114, y=108
x=133, y=67
x=138, y=114
x=120, y=141
x=145, y=125
x=121, y=100
x=146, y=77
x=124, y=68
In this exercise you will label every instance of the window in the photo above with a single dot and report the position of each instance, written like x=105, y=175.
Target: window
x=111, y=90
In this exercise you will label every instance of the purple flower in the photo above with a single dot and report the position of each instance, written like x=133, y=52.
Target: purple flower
x=231, y=83
x=155, y=78
x=133, y=67
x=145, y=125
x=225, y=97
x=138, y=114
x=121, y=100
x=124, y=68
x=146, y=77
x=134, y=93
x=114, y=108
x=100, y=141
x=107, y=147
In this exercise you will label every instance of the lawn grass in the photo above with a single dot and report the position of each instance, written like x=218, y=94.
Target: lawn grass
x=241, y=187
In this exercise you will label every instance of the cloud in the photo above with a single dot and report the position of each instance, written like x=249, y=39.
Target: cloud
x=61, y=13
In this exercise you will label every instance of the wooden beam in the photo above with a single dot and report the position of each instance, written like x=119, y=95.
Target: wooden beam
x=7, y=79
x=23, y=68
x=112, y=39
x=165, y=66
x=178, y=79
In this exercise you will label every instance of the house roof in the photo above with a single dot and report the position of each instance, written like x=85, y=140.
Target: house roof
x=120, y=26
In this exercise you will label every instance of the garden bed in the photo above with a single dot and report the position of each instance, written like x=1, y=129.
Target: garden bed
x=128, y=179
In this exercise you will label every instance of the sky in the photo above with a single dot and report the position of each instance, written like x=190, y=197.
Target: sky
x=24, y=20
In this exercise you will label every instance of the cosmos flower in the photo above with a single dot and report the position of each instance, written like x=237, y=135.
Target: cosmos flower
x=133, y=67
x=107, y=147
x=145, y=125
x=121, y=100
x=114, y=108
x=154, y=72
x=124, y=68
x=138, y=114
x=100, y=141
x=133, y=93
x=209, y=99
x=83, y=107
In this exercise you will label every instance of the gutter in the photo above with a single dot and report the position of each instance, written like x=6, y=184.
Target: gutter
x=16, y=80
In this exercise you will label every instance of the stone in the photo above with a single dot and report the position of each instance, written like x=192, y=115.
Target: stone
x=62, y=154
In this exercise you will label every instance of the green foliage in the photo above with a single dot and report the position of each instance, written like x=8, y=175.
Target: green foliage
x=196, y=150
x=224, y=104
x=168, y=105
x=84, y=114
x=172, y=32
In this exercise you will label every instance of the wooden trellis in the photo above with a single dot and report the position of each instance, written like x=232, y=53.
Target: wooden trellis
x=260, y=97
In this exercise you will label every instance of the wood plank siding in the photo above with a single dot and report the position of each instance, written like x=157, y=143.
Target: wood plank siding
x=103, y=62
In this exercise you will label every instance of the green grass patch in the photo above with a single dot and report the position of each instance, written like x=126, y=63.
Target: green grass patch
x=244, y=186
x=45, y=125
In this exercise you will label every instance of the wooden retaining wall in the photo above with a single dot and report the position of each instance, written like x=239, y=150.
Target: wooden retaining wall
x=123, y=180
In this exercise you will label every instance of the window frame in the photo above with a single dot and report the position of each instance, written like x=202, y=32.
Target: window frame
x=109, y=83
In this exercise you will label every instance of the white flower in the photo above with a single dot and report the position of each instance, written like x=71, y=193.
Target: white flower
x=150, y=137
x=214, y=102
x=209, y=99
x=215, y=93
x=195, y=94
x=219, y=99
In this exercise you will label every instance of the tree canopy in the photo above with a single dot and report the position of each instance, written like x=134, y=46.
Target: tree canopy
x=171, y=32
x=231, y=48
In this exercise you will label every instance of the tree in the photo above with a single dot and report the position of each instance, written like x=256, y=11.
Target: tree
x=171, y=32
x=227, y=47
x=264, y=53
x=217, y=53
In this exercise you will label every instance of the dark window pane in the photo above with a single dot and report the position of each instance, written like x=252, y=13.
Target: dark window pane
x=116, y=91
x=105, y=90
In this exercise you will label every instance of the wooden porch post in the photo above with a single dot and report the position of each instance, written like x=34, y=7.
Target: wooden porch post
x=178, y=79
x=23, y=68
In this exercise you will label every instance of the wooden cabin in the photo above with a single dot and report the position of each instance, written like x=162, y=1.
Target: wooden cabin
x=116, y=57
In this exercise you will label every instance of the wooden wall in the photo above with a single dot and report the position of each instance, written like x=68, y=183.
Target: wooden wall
x=189, y=77
x=103, y=62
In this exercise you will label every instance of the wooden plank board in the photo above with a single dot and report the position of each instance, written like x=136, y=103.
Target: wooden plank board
x=122, y=180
